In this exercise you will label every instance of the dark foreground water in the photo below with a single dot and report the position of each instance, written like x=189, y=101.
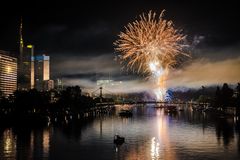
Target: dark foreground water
x=150, y=134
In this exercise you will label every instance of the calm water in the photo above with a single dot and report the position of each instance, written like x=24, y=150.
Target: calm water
x=149, y=134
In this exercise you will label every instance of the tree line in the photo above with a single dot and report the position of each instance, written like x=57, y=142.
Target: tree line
x=45, y=103
x=223, y=97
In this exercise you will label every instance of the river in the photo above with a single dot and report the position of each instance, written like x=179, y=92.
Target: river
x=149, y=134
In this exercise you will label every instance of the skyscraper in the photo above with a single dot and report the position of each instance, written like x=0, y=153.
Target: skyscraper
x=25, y=63
x=26, y=69
x=59, y=84
x=42, y=72
x=8, y=74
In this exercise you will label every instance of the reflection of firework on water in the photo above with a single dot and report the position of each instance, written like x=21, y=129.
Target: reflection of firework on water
x=151, y=46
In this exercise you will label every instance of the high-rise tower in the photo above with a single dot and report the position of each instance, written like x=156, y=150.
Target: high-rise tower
x=42, y=71
x=26, y=63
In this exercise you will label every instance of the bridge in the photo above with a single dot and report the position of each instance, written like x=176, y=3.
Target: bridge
x=100, y=90
x=148, y=102
x=102, y=103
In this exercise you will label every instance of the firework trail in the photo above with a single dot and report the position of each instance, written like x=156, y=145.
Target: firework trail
x=151, y=46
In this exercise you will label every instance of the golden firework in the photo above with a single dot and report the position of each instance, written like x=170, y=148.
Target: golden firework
x=151, y=45
x=150, y=40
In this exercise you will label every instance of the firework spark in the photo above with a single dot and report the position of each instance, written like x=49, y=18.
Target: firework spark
x=151, y=46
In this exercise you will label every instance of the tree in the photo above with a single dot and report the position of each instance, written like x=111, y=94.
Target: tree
x=238, y=99
x=218, y=97
x=202, y=99
x=226, y=96
x=238, y=96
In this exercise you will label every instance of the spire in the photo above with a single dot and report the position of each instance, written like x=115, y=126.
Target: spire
x=21, y=37
x=20, y=61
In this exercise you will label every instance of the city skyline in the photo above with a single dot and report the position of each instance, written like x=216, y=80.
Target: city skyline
x=79, y=40
x=122, y=79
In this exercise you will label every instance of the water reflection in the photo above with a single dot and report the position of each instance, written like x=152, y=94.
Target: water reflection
x=149, y=134
x=46, y=138
x=154, y=149
x=24, y=143
x=225, y=131
x=161, y=145
x=8, y=141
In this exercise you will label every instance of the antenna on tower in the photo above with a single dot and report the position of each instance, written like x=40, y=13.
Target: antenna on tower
x=21, y=46
x=21, y=37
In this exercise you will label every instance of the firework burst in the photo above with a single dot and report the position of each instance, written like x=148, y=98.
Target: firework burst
x=151, y=46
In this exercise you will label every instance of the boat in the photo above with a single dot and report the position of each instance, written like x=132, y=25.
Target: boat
x=118, y=140
x=161, y=106
x=171, y=109
x=180, y=109
x=126, y=113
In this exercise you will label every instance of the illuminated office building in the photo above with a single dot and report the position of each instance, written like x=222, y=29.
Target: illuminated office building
x=8, y=74
x=59, y=84
x=26, y=69
x=104, y=82
x=25, y=65
x=42, y=72
x=48, y=85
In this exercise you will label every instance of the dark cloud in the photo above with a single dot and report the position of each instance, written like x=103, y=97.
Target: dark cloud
x=93, y=25
x=86, y=64
x=206, y=72
x=79, y=36
x=214, y=53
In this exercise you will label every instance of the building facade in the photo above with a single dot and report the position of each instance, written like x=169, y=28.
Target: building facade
x=8, y=74
x=48, y=85
x=26, y=68
x=59, y=84
x=42, y=72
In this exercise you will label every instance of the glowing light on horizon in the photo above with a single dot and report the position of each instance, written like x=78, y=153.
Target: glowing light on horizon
x=151, y=46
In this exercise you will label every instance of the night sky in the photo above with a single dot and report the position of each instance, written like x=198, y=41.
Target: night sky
x=79, y=36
